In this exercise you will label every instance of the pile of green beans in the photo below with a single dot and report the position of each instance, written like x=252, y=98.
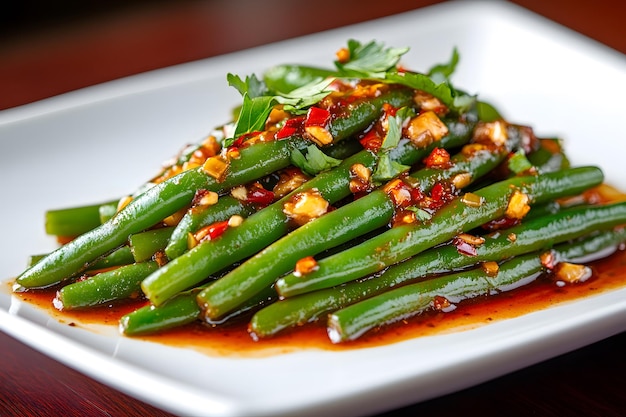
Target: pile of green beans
x=484, y=192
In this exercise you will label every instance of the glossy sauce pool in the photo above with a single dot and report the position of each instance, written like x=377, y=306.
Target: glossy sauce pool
x=233, y=340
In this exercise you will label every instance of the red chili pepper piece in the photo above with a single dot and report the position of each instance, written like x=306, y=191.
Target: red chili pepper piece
x=389, y=109
x=290, y=128
x=438, y=158
x=499, y=224
x=237, y=143
x=317, y=116
x=371, y=141
x=260, y=196
x=217, y=229
x=437, y=192
x=464, y=248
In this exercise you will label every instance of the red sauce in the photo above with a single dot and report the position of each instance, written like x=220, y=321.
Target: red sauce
x=233, y=340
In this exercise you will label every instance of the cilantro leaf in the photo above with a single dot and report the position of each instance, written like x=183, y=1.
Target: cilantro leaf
x=443, y=91
x=253, y=114
x=258, y=102
x=420, y=214
x=314, y=162
x=487, y=112
x=518, y=162
x=387, y=169
x=371, y=60
x=251, y=85
x=445, y=70
x=305, y=96
x=394, y=128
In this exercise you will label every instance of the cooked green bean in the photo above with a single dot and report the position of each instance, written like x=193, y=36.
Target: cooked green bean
x=538, y=234
x=153, y=206
x=117, y=284
x=364, y=215
x=72, y=221
x=271, y=223
x=144, y=245
x=402, y=242
x=353, y=321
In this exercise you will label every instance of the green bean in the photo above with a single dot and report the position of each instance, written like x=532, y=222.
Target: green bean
x=550, y=156
x=144, y=245
x=119, y=283
x=72, y=221
x=152, y=206
x=106, y=211
x=183, y=309
x=200, y=216
x=334, y=228
x=538, y=234
x=268, y=225
x=407, y=301
x=119, y=257
x=365, y=111
x=178, y=311
x=404, y=241
x=364, y=215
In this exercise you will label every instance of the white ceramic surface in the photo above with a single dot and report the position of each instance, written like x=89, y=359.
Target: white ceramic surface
x=101, y=142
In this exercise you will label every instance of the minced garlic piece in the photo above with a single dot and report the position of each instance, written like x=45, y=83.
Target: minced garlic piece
x=208, y=199
x=494, y=132
x=124, y=201
x=572, y=273
x=216, y=166
x=518, y=206
x=472, y=200
x=239, y=192
x=305, y=266
x=461, y=180
x=425, y=129
x=319, y=134
x=428, y=102
x=306, y=206
x=471, y=239
x=235, y=220
x=491, y=268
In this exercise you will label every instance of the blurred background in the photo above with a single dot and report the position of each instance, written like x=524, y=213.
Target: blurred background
x=51, y=47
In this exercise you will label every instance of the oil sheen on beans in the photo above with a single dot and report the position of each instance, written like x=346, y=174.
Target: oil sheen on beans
x=233, y=340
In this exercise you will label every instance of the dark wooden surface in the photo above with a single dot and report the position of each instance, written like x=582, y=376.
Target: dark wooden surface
x=46, y=49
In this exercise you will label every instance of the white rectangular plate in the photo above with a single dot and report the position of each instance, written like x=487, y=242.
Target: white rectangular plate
x=101, y=142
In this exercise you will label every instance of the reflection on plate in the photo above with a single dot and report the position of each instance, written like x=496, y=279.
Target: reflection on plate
x=84, y=147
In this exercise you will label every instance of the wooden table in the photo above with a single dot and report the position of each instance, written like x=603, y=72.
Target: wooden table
x=44, y=52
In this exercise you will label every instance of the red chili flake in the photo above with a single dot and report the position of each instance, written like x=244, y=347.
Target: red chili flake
x=217, y=229
x=440, y=303
x=463, y=247
x=548, y=260
x=438, y=158
x=438, y=192
x=389, y=109
x=260, y=196
x=499, y=224
x=238, y=143
x=372, y=141
x=291, y=127
x=198, y=196
x=317, y=116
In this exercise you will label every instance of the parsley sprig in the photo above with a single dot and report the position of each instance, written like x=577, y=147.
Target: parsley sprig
x=258, y=101
x=371, y=60
x=387, y=168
